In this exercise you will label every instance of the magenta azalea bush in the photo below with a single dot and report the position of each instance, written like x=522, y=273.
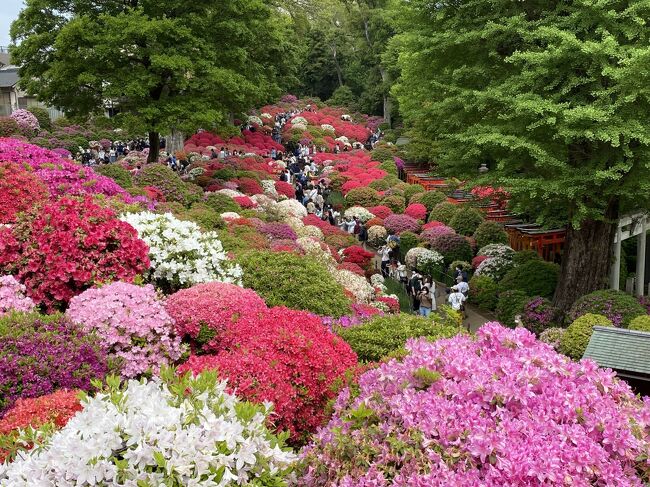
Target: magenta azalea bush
x=26, y=121
x=132, y=325
x=13, y=297
x=401, y=223
x=539, y=314
x=500, y=409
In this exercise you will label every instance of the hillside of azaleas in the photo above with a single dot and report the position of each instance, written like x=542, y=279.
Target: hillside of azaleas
x=206, y=327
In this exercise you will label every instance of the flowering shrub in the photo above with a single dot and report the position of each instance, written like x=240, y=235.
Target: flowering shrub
x=287, y=357
x=40, y=354
x=386, y=335
x=411, y=259
x=12, y=296
x=430, y=234
x=452, y=247
x=279, y=231
x=8, y=127
x=20, y=190
x=203, y=312
x=356, y=285
x=401, y=223
x=476, y=261
x=69, y=246
x=381, y=211
x=299, y=282
x=391, y=302
x=497, y=250
x=249, y=186
x=375, y=222
x=360, y=212
x=535, y=278
x=181, y=255
x=362, y=197
x=51, y=410
x=488, y=233
x=575, y=339
x=416, y=210
x=429, y=262
x=377, y=236
x=494, y=267
x=357, y=255
x=539, y=314
x=394, y=202
x=285, y=189
x=620, y=308
x=201, y=435
x=167, y=181
x=443, y=212
x=443, y=417
x=349, y=266
x=483, y=292
x=132, y=325
x=291, y=207
x=26, y=120
x=552, y=336
x=428, y=198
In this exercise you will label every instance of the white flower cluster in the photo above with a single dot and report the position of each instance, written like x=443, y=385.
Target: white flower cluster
x=181, y=255
x=256, y=120
x=232, y=193
x=356, y=284
x=312, y=248
x=377, y=235
x=328, y=127
x=145, y=434
x=429, y=260
x=310, y=231
x=494, y=267
x=360, y=212
x=497, y=250
x=377, y=280
x=266, y=115
x=411, y=258
x=343, y=140
x=291, y=207
x=269, y=188
x=299, y=120
x=230, y=215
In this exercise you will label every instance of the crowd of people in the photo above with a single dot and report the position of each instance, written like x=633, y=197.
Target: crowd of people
x=106, y=154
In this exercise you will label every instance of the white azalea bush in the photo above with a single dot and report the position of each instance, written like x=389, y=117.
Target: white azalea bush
x=360, y=212
x=255, y=120
x=411, y=258
x=299, y=120
x=181, y=255
x=494, y=268
x=269, y=188
x=497, y=250
x=358, y=285
x=328, y=127
x=292, y=207
x=429, y=261
x=166, y=431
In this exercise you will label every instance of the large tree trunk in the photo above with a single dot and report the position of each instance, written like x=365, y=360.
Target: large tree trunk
x=587, y=259
x=154, y=146
x=175, y=141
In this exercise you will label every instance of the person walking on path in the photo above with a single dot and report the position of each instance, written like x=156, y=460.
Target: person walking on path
x=426, y=302
x=457, y=301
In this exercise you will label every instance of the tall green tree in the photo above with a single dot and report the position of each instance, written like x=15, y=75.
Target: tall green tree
x=552, y=94
x=166, y=64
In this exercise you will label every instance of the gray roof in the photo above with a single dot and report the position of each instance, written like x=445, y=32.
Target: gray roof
x=8, y=77
x=626, y=351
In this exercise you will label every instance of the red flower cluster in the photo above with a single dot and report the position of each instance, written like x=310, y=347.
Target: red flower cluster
x=245, y=202
x=67, y=247
x=56, y=408
x=416, y=210
x=20, y=190
x=349, y=266
x=476, y=261
x=285, y=188
x=392, y=303
x=288, y=357
x=375, y=222
x=249, y=186
x=357, y=255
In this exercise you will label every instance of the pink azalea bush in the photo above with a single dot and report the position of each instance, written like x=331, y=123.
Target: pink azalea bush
x=132, y=325
x=401, y=223
x=26, y=121
x=495, y=410
x=13, y=297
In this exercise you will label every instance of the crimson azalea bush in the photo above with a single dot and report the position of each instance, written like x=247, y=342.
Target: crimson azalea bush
x=416, y=210
x=285, y=189
x=381, y=211
x=20, y=190
x=204, y=312
x=67, y=247
x=401, y=223
x=40, y=354
x=53, y=410
x=132, y=325
x=358, y=255
x=288, y=357
x=490, y=410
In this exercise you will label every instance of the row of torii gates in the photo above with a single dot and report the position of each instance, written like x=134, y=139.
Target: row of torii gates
x=549, y=243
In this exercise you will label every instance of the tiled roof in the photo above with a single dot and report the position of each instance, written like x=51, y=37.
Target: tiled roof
x=626, y=351
x=8, y=77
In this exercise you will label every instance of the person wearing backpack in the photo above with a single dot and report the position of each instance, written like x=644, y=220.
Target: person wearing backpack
x=416, y=287
x=363, y=234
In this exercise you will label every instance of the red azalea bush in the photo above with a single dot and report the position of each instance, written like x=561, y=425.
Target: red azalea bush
x=357, y=255
x=381, y=211
x=375, y=222
x=432, y=224
x=55, y=409
x=20, y=190
x=245, y=202
x=401, y=223
x=476, y=261
x=393, y=304
x=349, y=266
x=67, y=247
x=204, y=312
x=288, y=357
x=416, y=210
x=285, y=189
x=249, y=186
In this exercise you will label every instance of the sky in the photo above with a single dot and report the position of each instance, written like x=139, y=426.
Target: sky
x=8, y=12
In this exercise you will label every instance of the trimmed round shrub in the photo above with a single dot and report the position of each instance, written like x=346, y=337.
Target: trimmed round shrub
x=494, y=267
x=8, y=127
x=483, y=292
x=363, y=196
x=221, y=203
x=535, y=278
x=497, y=250
x=288, y=357
x=380, y=211
x=552, y=336
x=380, y=184
x=407, y=240
x=117, y=173
x=40, y=354
x=510, y=304
x=640, y=323
x=618, y=307
x=443, y=212
x=416, y=210
x=13, y=296
x=285, y=279
x=401, y=223
x=67, y=247
x=413, y=189
x=492, y=410
x=489, y=232
x=452, y=247
x=395, y=202
x=167, y=182
x=524, y=256
x=204, y=216
x=429, y=198
x=385, y=335
x=27, y=122
x=43, y=117
x=466, y=220
x=575, y=339
x=169, y=431
x=464, y=266
x=132, y=325
x=539, y=314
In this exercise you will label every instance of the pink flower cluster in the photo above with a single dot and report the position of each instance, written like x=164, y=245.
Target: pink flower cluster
x=26, y=120
x=12, y=296
x=499, y=409
x=401, y=223
x=132, y=325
